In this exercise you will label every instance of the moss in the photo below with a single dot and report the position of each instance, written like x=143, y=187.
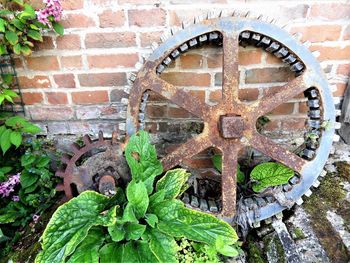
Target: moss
x=254, y=253
x=272, y=242
x=298, y=233
x=343, y=170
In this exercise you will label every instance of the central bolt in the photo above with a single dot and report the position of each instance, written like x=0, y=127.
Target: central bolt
x=231, y=126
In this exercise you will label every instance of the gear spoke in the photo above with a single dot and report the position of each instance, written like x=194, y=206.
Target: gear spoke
x=178, y=96
x=230, y=68
x=277, y=152
x=288, y=91
x=229, y=180
x=186, y=150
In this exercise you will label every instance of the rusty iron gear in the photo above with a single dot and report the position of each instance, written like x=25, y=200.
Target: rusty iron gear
x=231, y=125
x=97, y=165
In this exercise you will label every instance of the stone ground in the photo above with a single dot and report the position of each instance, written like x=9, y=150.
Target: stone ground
x=316, y=231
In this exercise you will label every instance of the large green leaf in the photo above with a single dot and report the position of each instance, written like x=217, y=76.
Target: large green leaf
x=163, y=246
x=5, y=140
x=16, y=138
x=59, y=29
x=33, y=34
x=270, y=174
x=134, y=231
x=70, y=224
x=172, y=183
x=142, y=159
x=136, y=193
x=194, y=225
x=31, y=128
x=217, y=161
x=88, y=249
x=2, y=25
x=28, y=179
x=116, y=232
x=16, y=122
x=9, y=217
x=130, y=252
x=11, y=37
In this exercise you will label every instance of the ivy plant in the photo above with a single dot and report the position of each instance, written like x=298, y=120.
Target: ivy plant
x=144, y=223
x=263, y=175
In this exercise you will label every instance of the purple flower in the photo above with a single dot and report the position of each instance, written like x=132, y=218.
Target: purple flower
x=6, y=188
x=35, y=218
x=15, y=198
x=53, y=8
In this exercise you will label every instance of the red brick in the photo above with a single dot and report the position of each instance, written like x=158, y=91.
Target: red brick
x=214, y=60
x=318, y=33
x=30, y=98
x=111, y=61
x=332, y=53
x=46, y=44
x=303, y=107
x=57, y=98
x=178, y=113
x=215, y=96
x=72, y=62
x=331, y=11
x=343, y=69
x=156, y=111
x=77, y=21
x=143, y=2
x=90, y=97
x=191, y=61
x=37, y=4
x=187, y=79
x=346, y=35
x=110, y=40
x=341, y=87
x=272, y=59
x=268, y=75
x=42, y=63
x=34, y=82
x=149, y=37
x=64, y=80
x=71, y=42
x=250, y=57
x=102, y=79
x=147, y=18
x=72, y=4
x=284, y=109
x=293, y=124
x=117, y=95
x=200, y=94
x=112, y=19
x=51, y=113
x=250, y=94
x=272, y=125
x=18, y=63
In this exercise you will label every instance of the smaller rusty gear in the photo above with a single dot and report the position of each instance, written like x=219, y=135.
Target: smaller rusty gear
x=98, y=165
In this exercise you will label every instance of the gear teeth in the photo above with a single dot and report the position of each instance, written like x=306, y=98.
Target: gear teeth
x=300, y=201
x=256, y=224
x=307, y=44
x=316, y=53
x=59, y=187
x=154, y=46
x=65, y=158
x=220, y=14
x=337, y=125
x=260, y=17
x=132, y=77
x=87, y=140
x=297, y=36
x=336, y=138
x=337, y=113
x=165, y=36
x=308, y=193
x=75, y=147
x=323, y=173
x=332, y=151
x=316, y=184
x=268, y=221
x=247, y=14
x=279, y=216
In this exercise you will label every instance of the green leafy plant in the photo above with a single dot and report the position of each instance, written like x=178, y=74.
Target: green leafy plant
x=22, y=26
x=263, y=175
x=141, y=225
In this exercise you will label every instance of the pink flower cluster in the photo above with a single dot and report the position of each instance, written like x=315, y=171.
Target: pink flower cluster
x=53, y=8
x=6, y=188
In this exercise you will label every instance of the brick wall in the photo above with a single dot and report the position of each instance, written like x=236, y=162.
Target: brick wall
x=78, y=83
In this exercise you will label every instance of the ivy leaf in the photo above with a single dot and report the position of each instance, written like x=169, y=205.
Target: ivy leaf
x=134, y=231
x=172, y=183
x=27, y=159
x=17, y=49
x=17, y=23
x=5, y=141
x=116, y=232
x=270, y=174
x=137, y=196
x=11, y=37
x=67, y=228
x=28, y=179
x=2, y=25
x=16, y=138
x=58, y=28
x=142, y=159
x=88, y=249
x=2, y=49
x=163, y=246
x=31, y=128
x=9, y=217
x=217, y=162
x=26, y=50
x=6, y=169
x=33, y=34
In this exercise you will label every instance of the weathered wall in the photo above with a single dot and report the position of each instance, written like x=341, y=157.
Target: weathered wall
x=78, y=83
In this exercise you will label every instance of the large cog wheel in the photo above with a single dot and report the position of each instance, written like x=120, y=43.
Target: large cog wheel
x=231, y=125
